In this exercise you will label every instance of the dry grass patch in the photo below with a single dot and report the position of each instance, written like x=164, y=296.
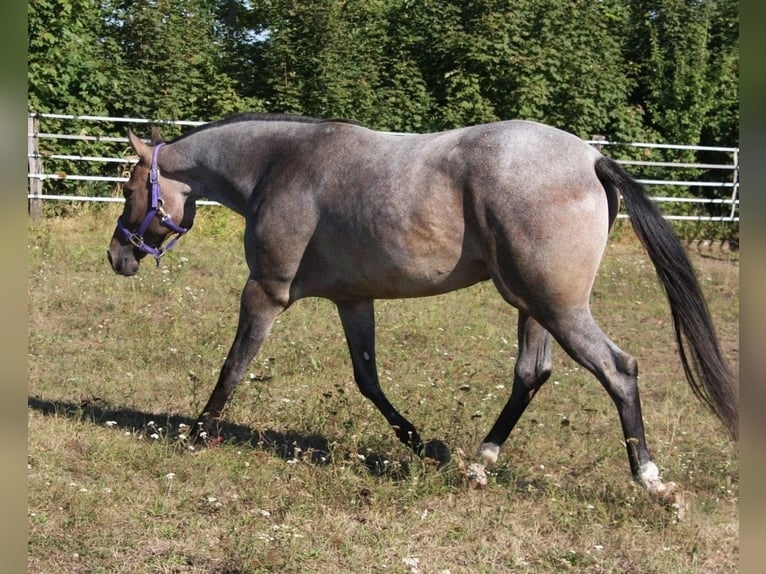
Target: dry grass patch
x=310, y=478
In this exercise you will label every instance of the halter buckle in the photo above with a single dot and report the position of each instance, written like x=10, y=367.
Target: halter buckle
x=136, y=240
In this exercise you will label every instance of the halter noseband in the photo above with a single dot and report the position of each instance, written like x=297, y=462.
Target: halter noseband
x=155, y=210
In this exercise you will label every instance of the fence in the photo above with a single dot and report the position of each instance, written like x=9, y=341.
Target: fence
x=711, y=187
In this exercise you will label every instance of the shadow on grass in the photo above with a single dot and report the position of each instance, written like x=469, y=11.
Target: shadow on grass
x=100, y=413
x=313, y=447
x=320, y=450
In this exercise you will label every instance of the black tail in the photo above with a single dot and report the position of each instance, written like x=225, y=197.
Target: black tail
x=708, y=373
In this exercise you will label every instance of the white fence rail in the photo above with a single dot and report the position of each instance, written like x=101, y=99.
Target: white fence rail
x=727, y=196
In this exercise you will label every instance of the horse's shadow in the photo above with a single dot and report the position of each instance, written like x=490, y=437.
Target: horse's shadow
x=314, y=448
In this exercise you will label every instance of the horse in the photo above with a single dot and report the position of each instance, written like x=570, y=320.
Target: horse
x=335, y=210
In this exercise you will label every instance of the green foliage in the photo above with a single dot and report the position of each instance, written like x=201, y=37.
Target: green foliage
x=683, y=56
x=170, y=63
x=72, y=66
x=625, y=69
x=325, y=55
x=721, y=125
x=71, y=61
x=628, y=70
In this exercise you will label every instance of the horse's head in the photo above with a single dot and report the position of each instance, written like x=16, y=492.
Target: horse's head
x=156, y=206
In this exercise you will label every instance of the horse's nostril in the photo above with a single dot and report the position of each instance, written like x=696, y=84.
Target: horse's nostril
x=109, y=257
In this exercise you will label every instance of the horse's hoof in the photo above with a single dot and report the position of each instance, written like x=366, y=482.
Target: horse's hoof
x=671, y=495
x=201, y=438
x=476, y=475
x=436, y=450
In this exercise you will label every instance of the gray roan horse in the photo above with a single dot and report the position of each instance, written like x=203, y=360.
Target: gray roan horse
x=339, y=211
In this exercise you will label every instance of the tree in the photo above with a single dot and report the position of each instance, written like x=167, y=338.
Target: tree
x=557, y=62
x=241, y=30
x=435, y=39
x=721, y=124
x=72, y=66
x=683, y=58
x=568, y=69
x=626, y=69
x=170, y=66
x=324, y=57
x=71, y=62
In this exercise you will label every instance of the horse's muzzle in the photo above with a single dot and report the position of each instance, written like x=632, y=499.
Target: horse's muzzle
x=122, y=259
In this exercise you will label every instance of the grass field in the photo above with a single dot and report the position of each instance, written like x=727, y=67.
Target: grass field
x=310, y=478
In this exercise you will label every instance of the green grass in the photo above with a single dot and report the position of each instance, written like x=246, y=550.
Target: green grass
x=311, y=479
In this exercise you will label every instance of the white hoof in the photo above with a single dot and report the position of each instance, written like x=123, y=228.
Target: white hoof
x=476, y=475
x=667, y=493
x=649, y=474
x=489, y=452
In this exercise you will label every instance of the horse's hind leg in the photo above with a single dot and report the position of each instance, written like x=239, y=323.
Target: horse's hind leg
x=533, y=367
x=358, y=319
x=258, y=310
x=617, y=371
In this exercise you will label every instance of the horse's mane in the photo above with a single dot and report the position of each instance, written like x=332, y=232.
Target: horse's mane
x=262, y=117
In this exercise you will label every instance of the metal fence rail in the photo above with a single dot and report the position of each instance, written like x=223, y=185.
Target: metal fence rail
x=727, y=187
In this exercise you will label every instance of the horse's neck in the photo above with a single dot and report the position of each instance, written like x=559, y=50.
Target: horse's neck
x=218, y=176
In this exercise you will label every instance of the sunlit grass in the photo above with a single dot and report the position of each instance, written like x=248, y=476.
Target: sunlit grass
x=310, y=478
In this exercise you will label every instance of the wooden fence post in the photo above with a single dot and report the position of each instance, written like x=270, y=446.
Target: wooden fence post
x=35, y=168
x=598, y=138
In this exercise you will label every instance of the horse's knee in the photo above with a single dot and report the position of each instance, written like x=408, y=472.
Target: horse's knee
x=543, y=372
x=626, y=364
x=533, y=374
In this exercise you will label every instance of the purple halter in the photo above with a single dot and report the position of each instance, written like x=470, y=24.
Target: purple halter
x=155, y=210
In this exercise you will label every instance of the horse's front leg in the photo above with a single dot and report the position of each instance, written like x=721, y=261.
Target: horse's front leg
x=358, y=319
x=258, y=310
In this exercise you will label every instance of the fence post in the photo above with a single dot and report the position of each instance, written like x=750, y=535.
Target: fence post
x=735, y=187
x=35, y=167
x=598, y=138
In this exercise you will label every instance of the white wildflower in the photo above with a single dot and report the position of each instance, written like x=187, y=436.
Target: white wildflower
x=412, y=564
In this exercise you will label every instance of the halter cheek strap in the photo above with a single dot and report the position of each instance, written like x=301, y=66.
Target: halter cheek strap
x=155, y=210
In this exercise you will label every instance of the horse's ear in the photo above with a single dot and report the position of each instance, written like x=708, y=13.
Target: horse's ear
x=156, y=137
x=142, y=150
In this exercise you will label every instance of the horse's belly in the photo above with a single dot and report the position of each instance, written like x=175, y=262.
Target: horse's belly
x=351, y=275
x=425, y=282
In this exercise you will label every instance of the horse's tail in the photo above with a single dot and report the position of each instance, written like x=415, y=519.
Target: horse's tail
x=707, y=372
